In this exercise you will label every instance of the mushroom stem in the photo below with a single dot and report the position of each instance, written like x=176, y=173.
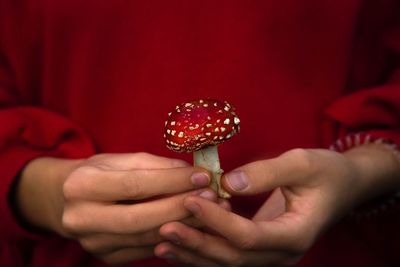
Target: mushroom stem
x=208, y=158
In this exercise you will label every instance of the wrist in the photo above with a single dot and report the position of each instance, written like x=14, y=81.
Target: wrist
x=39, y=194
x=378, y=169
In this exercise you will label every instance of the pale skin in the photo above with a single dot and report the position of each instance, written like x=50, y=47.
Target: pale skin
x=103, y=201
x=312, y=189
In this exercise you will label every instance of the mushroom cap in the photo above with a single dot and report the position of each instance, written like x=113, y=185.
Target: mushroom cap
x=200, y=123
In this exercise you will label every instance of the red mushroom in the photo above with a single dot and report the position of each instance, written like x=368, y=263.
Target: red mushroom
x=199, y=126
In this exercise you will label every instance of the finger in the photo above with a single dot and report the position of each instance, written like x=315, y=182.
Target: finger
x=240, y=231
x=190, y=246
x=140, y=160
x=261, y=176
x=127, y=255
x=107, y=243
x=290, y=231
x=109, y=185
x=206, y=245
x=92, y=217
x=195, y=223
x=180, y=256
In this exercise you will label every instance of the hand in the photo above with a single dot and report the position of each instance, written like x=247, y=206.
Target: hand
x=312, y=189
x=104, y=202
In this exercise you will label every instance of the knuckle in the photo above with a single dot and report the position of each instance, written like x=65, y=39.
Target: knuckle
x=142, y=155
x=131, y=222
x=302, y=157
x=89, y=245
x=69, y=222
x=131, y=185
x=77, y=181
x=248, y=241
x=99, y=157
x=69, y=189
x=72, y=222
x=139, y=157
x=198, y=243
x=87, y=171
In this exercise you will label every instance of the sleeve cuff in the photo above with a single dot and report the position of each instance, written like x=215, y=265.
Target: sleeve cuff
x=30, y=132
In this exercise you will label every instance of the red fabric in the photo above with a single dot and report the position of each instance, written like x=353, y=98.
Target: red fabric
x=114, y=68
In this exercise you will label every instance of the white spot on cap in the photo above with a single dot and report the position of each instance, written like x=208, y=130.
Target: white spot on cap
x=194, y=127
x=168, y=131
x=216, y=130
x=226, y=108
x=208, y=133
x=173, y=122
x=208, y=125
x=223, y=129
x=236, y=120
x=227, y=121
x=205, y=105
x=173, y=132
x=180, y=134
x=215, y=104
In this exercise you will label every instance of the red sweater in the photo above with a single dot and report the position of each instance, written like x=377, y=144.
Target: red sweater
x=85, y=77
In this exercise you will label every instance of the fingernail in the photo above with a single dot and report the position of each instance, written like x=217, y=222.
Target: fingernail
x=237, y=180
x=174, y=238
x=168, y=256
x=200, y=179
x=208, y=194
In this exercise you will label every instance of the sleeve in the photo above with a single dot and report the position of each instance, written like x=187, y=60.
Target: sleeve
x=374, y=105
x=27, y=132
x=372, y=112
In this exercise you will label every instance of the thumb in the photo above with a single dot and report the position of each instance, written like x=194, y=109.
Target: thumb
x=266, y=175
